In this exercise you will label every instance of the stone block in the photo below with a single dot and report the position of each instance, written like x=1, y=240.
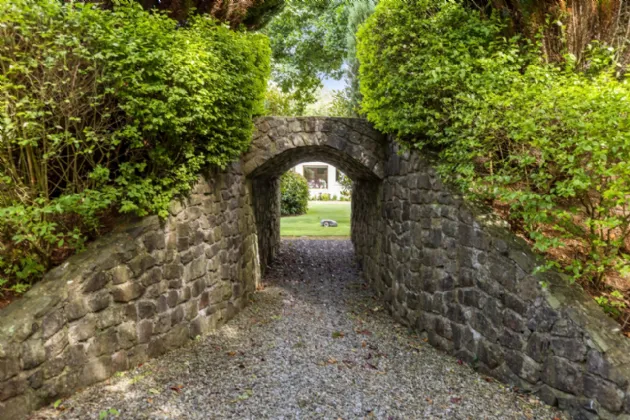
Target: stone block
x=128, y=292
x=146, y=309
x=606, y=393
x=111, y=316
x=141, y=264
x=96, y=370
x=82, y=330
x=9, y=367
x=127, y=335
x=75, y=309
x=598, y=364
x=13, y=387
x=537, y=347
x=53, y=367
x=96, y=282
x=154, y=241
x=75, y=355
x=173, y=271
x=564, y=375
x=569, y=348
x=120, y=361
x=52, y=323
x=144, y=330
x=33, y=354
x=55, y=344
x=523, y=366
x=177, y=315
x=151, y=277
x=103, y=343
x=120, y=274
x=99, y=301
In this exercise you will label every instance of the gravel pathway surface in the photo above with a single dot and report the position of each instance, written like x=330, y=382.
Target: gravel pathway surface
x=315, y=343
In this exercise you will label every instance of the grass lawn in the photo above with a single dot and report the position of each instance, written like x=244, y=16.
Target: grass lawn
x=308, y=224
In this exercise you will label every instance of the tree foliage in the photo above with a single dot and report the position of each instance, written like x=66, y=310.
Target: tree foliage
x=313, y=39
x=253, y=14
x=293, y=194
x=552, y=142
x=111, y=111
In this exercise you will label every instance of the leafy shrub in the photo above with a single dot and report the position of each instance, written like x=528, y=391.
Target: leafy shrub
x=324, y=197
x=293, y=194
x=549, y=142
x=111, y=111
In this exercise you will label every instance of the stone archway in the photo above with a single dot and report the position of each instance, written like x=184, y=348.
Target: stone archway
x=350, y=144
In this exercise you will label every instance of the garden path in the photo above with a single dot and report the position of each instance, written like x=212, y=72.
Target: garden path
x=315, y=343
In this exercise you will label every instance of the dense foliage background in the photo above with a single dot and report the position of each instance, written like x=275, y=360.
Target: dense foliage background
x=111, y=111
x=293, y=194
x=546, y=142
x=252, y=14
x=315, y=39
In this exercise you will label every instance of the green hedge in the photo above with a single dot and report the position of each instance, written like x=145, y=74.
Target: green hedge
x=550, y=142
x=293, y=194
x=107, y=112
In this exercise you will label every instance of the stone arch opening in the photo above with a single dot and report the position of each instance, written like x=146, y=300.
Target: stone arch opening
x=351, y=145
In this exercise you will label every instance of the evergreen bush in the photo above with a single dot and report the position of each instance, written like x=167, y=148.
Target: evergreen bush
x=293, y=193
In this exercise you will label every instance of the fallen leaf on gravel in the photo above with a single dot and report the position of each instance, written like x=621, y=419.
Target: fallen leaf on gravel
x=154, y=391
x=429, y=400
x=150, y=400
x=370, y=365
x=349, y=362
x=338, y=334
x=364, y=332
x=487, y=379
x=231, y=353
x=456, y=400
x=331, y=361
x=177, y=388
x=363, y=344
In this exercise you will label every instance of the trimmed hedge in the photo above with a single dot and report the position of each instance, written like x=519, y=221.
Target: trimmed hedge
x=550, y=142
x=293, y=193
x=111, y=111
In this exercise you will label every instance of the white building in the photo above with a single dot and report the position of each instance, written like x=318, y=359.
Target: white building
x=322, y=178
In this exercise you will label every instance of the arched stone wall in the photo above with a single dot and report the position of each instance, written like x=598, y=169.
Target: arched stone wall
x=456, y=274
x=280, y=143
x=441, y=267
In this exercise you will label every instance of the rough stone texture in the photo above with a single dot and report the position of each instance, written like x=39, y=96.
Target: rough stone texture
x=453, y=272
x=136, y=293
x=441, y=267
x=281, y=143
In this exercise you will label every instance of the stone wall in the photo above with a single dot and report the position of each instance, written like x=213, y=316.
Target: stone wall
x=266, y=198
x=138, y=292
x=448, y=271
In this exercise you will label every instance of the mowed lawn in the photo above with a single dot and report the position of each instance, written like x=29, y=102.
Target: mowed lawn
x=308, y=224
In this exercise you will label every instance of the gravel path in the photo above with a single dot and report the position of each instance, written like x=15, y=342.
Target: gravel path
x=313, y=344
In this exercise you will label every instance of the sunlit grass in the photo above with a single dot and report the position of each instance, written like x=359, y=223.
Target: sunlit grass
x=308, y=224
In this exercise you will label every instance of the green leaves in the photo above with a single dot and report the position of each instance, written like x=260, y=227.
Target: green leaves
x=112, y=111
x=293, y=194
x=552, y=144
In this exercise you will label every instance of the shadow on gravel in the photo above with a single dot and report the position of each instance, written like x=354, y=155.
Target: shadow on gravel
x=314, y=343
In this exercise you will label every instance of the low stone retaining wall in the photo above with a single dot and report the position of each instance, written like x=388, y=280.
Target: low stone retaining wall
x=468, y=284
x=140, y=291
